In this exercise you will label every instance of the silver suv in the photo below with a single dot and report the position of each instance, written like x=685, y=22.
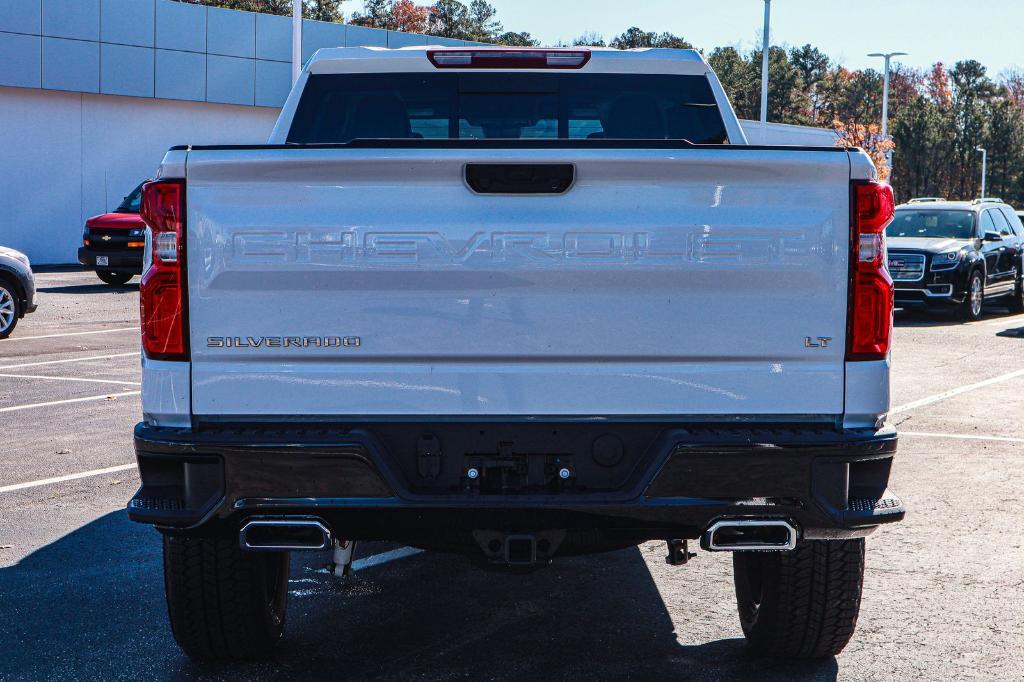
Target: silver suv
x=17, y=289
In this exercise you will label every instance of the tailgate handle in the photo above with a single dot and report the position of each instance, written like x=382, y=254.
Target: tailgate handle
x=520, y=178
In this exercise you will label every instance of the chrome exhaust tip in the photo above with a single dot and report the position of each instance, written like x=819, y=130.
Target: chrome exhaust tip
x=284, y=535
x=749, y=535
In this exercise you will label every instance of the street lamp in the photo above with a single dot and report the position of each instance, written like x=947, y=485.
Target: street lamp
x=885, y=97
x=885, y=87
x=296, y=39
x=984, y=167
x=764, y=64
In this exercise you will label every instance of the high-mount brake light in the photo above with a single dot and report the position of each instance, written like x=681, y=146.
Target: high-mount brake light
x=870, y=308
x=509, y=59
x=162, y=294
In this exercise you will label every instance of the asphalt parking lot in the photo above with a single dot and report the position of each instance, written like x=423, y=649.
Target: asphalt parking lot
x=81, y=591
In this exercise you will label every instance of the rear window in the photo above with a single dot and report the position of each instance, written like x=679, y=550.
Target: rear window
x=339, y=108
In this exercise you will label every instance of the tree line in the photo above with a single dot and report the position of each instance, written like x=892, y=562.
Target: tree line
x=938, y=117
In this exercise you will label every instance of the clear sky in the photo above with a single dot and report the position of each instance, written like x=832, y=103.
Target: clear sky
x=991, y=31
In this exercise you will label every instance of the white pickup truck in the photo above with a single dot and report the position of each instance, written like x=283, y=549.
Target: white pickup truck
x=518, y=304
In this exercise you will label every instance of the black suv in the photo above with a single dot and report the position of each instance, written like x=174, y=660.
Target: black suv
x=956, y=255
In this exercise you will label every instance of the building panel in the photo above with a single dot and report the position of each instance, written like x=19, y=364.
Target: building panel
x=21, y=64
x=273, y=38
x=78, y=19
x=127, y=22
x=317, y=34
x=21, y=16
x=230, y=80
x=230, y=33
x=180, y=75
x=71, y=65
x=360, y=36
x=399, y=39
x=126, y=70
x=273, y=83
x=180, y=26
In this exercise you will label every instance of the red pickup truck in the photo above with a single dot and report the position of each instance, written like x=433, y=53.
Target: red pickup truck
x=112, y=243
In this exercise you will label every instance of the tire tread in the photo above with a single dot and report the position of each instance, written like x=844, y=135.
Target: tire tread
x=814, y=602
x=215, y=599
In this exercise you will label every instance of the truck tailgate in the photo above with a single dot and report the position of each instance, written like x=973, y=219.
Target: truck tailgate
x=337, y=282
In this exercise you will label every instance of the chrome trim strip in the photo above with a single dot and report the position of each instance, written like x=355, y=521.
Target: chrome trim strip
x=929, y=293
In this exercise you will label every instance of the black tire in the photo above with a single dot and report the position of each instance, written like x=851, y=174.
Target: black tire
x=967, y=311
x=114, y=278
x=1016, y=304
x=802, y=603
x=10, y=308
x=224, y=603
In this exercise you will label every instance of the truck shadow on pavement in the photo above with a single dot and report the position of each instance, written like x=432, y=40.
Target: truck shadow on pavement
x=98, y=288
x=91, y=605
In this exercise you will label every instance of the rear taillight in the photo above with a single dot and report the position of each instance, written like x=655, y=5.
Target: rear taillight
x=509, y=59
x=869, y=314
x=163, y=289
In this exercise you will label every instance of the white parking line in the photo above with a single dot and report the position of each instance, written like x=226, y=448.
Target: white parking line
x=105, y=396
x=69, y=477
x=54, y=336
x=94, y=381
x=382, y=558
x=1004, y=320
x=961, y=436
x=956, y=391
x=4, y=368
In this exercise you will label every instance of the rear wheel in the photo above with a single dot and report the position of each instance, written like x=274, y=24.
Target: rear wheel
x=224, y=603
x=1016, y=303
x=9, y=309
x=802, y=603
x=974, y=298
x=115, y=278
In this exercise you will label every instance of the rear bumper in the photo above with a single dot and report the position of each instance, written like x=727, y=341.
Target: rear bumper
x=117, y=261
x=674, y=481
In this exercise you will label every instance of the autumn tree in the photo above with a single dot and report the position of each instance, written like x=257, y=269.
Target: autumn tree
x=521, y=39
x=741, y=80
x=813, y=65
x=938, y=86
x=409, y=17
x=1004, y=140
x=1013, y=80
x=971, y=89
x=393, y=15
x=375, y=14
x=589, y=39
x=870, y=139
x=636, y=37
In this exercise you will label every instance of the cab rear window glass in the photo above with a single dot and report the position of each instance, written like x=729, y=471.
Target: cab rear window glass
x=339, y=108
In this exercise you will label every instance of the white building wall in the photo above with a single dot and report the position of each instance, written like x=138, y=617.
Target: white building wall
x=67, y=156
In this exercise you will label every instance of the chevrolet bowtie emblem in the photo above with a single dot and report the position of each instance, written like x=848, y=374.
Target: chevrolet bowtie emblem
x=106, y=237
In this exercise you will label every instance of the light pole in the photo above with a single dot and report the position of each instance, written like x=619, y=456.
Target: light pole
x=984, y=167
x=296, y=39
x=885, y=87
x=885, y=96
x=764, y=64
